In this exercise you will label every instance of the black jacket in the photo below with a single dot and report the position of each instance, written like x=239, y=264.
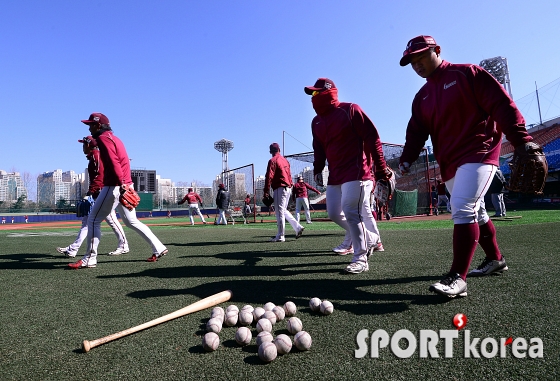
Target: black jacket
x=222, y=199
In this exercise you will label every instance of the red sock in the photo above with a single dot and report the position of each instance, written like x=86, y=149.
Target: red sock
x=465, y=239
x=488, y=241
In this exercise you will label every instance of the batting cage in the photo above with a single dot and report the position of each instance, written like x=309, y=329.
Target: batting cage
x=240, y=182
x=301, y=164
x=412, y=196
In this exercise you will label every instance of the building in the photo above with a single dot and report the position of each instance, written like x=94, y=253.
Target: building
x=56, y=185
x=11, y=186
x=259, y=188
x=144, y=180
x=164, y=194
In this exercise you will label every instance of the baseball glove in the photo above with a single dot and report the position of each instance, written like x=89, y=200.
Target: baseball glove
x=83, y=207
x=268, y=200
x=385, y=188
x=129, y=198
x=529, y=169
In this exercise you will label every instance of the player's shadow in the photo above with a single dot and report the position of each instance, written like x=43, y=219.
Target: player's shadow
x=27, y=261
x=348, y=293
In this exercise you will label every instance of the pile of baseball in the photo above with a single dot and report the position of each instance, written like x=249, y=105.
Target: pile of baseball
x=263, y=319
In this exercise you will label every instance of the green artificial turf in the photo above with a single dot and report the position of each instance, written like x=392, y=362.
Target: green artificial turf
x=47, y=310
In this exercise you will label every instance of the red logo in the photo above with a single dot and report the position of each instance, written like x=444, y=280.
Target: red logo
x=460, y=321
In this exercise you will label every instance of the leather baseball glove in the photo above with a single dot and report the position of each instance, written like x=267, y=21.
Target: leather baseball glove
x=385, y=186
x=129, y=198
x=529, y=169
x=268, y=200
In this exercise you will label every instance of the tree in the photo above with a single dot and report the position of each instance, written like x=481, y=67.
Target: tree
x=61, y=204
x=30, y=184
x=18, y=205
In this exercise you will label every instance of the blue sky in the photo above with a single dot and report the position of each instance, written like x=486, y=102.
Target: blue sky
x=175, y=76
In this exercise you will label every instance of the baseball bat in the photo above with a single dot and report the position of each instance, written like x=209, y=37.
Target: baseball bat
x=197, y=306
x=207, y=215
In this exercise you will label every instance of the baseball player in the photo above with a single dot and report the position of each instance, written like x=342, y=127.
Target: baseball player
x=95, y=172
x=279, y=178
x=247, y=205
x=193, y=198
x=344, y=136
x=497, y=194
x=300, y=193
x=116, y=177
x=442, y=195
x=222, y=202
x=465, y=111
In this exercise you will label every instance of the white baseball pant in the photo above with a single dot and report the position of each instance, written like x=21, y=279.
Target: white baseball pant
x=348, y=206
x=113, y=223
x=193, y=208
x=303, y=202
x=467, y=189
x=222, y=220
x=443, y=199
x=107, y=202
x=281, y=199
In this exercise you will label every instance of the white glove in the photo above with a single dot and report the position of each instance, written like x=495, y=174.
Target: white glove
x=319, y=179
x=404, y=167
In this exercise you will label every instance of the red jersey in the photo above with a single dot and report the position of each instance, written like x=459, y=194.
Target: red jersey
x=95, y=172
x=347, y=139
x=441, y=189
x=277, y=173
x=300, y=189
x=191, y=198
x=116, y=164
x=464, y=110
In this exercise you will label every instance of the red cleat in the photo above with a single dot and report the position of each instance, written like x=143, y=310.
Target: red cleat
x=80, y=265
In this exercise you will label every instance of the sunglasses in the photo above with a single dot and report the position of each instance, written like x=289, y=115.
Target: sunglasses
x=315, y=93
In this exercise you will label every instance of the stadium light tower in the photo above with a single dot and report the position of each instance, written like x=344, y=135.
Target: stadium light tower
x=498, y=67
x=224, y=146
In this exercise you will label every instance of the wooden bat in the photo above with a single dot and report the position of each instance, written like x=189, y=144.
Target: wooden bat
x=197, y=306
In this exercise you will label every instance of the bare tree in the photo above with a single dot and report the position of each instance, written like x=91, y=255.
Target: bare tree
x=30, y=184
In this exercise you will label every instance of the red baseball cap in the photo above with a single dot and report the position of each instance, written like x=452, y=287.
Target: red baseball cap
x=322, y=84
x=417, y=45
x=96, y=117
x=89, y=140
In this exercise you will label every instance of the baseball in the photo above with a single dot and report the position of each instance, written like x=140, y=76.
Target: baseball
x=245, y=317
x=264, y=337
x=243, y=336
x=294, y=325
x=283, y=344
x=210, y=341
x=290, y=308
x=270, y=316
x=314, y=304
x=326, y=307
x=264, y=325
x=279, y=312
x=258, y=313
x=269, y=306
x=231, y=318
x=302, y=340
x=232, y=307
x=214, y=325
x=247, y=307
x=217, y=311
x=267, y=351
